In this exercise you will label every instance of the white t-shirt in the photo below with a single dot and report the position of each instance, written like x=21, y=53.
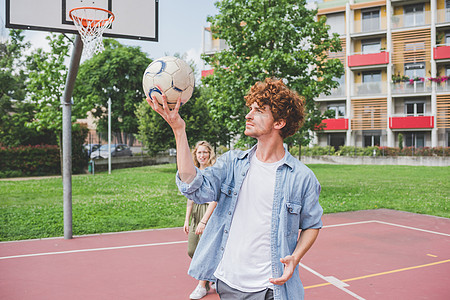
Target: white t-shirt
x=246, y=262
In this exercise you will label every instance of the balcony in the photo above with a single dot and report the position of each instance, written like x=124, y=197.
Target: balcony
x=411, y=122
x=443, y=15
x=370, y=89
x=408, y=87
x=411, y=20
x=441, y=52
x=443, y=86
x=331, y=4
x=335, y=124
x=212, y=45
x=369, y=59
x=338, y=92
x=370, y=25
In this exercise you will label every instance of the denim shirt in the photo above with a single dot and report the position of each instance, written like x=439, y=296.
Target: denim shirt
x=295, y=206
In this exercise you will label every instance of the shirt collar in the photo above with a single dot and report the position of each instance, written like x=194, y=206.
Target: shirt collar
x=248, y=152
x=289, y=161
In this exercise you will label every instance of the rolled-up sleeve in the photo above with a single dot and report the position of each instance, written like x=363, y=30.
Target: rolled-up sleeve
x=189, y=188
x=311, y=213
x=206, y=184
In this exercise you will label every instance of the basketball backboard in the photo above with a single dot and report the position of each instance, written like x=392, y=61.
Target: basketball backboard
x=134, y=19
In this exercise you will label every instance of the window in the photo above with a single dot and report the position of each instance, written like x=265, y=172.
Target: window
x=340, y=80
x=370, y=46
x=371, y=83
x=414, y=15
x=413, y=70
x=415, y=46
x=414, y=108
x=372, y=140
x=447, y=38
x=415, y=139
x=370, y=20
x=336, y=140
x=337, y=23
x=371, y=76
x=447, y=70
x=447, y=10
x=339, y=110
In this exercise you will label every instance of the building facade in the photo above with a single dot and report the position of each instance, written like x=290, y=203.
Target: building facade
x=396, y=55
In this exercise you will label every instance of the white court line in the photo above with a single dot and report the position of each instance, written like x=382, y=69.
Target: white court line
x=346, y=224
x=91, y=235
x=334, y=281
x=386, y=223
x=414, y=228
x=94, y=249
x=179, y=242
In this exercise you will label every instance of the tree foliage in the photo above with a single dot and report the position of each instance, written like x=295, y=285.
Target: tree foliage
x=157, y=135
x=114, y=74
x=268, y=38
x=15, y=110
x=47, y=78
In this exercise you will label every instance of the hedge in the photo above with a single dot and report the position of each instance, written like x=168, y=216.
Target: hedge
x=42, y=160
x=370, y=151
x=29, y=161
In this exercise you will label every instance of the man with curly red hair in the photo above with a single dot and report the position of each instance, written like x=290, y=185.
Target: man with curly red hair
x=268, y=213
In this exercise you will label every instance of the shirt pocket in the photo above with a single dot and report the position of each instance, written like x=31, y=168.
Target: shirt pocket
x=226, y=194
x=226, y=190
x=292, y=217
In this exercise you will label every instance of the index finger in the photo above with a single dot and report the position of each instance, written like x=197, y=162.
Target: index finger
x=178, y=105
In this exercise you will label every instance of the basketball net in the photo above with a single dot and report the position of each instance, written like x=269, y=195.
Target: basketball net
x=91, y=22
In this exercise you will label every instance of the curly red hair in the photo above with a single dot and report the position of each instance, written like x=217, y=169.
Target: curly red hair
x=284, y=104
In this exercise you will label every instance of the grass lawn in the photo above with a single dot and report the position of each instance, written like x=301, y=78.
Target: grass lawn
x=147, y=197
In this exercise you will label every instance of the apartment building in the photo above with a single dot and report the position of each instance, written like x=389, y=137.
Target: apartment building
x=396, y=55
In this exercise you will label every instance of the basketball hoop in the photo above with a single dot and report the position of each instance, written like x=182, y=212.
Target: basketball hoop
x=91, y=22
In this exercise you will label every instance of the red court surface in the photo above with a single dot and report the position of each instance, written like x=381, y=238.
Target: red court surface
x=378, y=254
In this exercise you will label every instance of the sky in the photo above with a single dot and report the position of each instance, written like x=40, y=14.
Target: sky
x=180, y=30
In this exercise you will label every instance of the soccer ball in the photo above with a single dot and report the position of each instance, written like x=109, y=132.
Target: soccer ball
x=173, y=75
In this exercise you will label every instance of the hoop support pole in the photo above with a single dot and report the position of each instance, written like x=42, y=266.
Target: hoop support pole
x=67, y=135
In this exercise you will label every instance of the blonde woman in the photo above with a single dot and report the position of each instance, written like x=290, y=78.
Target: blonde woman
x=204, y=156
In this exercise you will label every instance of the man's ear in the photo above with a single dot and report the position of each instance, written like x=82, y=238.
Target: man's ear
x=279, y=124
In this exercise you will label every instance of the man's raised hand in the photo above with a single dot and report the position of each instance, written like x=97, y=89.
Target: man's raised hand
x=172, y=117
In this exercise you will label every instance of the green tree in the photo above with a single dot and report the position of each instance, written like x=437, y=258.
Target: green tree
x=400, y=141
x=114, y=74
x=157, y=135
x=15, y=111
x=47, y=78
x=268, y=38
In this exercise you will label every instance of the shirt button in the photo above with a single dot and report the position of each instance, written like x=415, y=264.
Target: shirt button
x=221, y=248
x=229, y=212
x=243, y=173
x=235, y=193
x=226, y=231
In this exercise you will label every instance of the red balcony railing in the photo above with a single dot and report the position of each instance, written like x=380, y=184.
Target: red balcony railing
x=357, y=60
x=411, y=122
x=441, y=52
x=335, y=124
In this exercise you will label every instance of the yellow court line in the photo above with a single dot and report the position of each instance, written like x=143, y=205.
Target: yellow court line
x=382, y=273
